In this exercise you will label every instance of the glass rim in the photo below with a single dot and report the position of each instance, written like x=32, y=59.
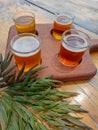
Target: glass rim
x=76, y=30
x=23, y=35
x=17, y=14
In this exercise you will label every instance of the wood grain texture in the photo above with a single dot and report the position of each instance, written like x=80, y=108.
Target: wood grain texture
x=87, y=98
x=50, y=48
x=87, y=89
x=86, y=12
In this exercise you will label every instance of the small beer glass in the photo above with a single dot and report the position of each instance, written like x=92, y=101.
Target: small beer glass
x=26, y=48
x=73, y=46
x=63, y=21
x=25, y=22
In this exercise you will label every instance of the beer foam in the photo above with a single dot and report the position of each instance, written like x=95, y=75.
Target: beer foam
x=75, y=43
x=63, y=19
x=25, y=20
x=26, y=46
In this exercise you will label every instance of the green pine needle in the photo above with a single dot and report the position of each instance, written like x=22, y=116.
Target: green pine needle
x=31, y=103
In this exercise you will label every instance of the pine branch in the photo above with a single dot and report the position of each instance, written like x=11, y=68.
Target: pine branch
x=31, y=103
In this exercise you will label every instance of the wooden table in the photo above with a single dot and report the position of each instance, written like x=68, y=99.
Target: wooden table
x=87, y=89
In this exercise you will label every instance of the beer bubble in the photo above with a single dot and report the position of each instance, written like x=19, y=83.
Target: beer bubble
x=25, y=20
x=26, y=46
x=63, y=19
x=74, y=43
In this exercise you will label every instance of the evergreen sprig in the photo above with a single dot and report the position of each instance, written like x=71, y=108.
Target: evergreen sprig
x=31, y=103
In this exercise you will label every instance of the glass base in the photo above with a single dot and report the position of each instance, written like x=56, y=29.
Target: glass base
x=68, y=62
x=57, y=65
x=57, y=36
x=27, y=68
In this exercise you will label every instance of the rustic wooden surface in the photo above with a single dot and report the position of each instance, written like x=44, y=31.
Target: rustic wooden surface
x=83, y=10
x=87, y=89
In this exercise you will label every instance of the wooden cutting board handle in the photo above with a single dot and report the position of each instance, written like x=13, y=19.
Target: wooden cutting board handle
x=94, y=46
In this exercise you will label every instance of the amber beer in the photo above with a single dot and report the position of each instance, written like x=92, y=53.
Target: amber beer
x=72, y=49
x=25, y=22
x=62, y=22
x=26, y=50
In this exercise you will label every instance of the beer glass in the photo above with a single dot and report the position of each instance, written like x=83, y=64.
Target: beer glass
x=26, y=48
x=73, y=46
x=63, y=21
x=25, y=22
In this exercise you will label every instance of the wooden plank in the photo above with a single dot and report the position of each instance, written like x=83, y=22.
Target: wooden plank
x=85, y=12
x=87, y=98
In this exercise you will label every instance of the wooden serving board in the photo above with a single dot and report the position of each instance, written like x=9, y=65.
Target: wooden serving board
x=50, y=48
